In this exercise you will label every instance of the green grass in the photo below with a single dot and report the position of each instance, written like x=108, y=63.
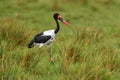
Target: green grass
x=87, y=50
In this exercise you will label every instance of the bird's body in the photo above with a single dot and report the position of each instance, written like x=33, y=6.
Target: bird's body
x=44, y=38
x=47, y=37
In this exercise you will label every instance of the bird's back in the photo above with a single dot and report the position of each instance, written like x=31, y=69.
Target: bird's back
x=49, y=32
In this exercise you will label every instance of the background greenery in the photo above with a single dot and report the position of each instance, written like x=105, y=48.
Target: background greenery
x=87, y=50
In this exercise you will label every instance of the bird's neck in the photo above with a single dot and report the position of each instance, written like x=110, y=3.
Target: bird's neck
x=57, y=27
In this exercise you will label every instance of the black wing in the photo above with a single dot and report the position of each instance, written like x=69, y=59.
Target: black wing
x=40, y=38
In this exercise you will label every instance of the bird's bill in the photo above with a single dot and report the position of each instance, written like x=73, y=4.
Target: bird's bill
x=64, y=21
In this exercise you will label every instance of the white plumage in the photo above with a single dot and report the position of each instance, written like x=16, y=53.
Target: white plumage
x=47, y=33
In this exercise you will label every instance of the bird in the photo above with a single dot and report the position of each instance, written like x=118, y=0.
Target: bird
x=48, y=36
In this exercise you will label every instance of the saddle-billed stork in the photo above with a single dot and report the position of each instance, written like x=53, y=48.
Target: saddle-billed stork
x=47, y=37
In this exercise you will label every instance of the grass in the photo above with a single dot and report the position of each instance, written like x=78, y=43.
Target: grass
x=87, y=50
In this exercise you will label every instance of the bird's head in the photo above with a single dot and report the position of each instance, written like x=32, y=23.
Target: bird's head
x=58, y=17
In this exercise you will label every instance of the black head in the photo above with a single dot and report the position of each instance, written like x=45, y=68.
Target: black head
x=56, y=16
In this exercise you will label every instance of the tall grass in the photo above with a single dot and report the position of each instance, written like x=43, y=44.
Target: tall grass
x=84, y=58
x=13, y=33
x=87, y=50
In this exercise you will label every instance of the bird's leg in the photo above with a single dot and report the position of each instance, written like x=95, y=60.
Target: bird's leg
x=50, y=49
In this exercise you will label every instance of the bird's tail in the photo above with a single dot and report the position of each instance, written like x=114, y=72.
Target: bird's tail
x=31, y=44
